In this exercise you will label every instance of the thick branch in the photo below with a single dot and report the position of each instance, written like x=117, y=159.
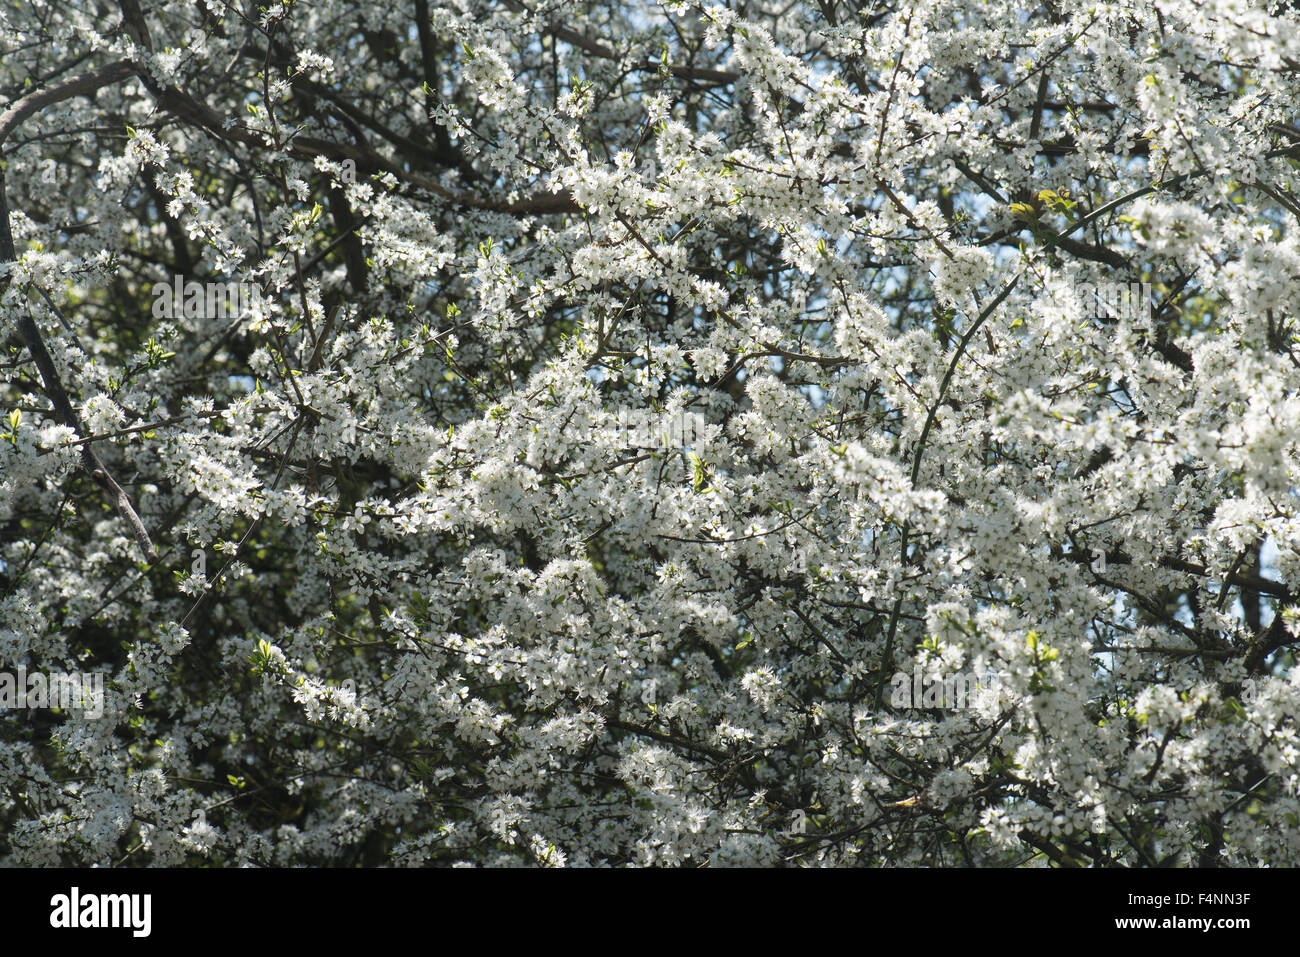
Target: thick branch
x=80, y=85
x=307, y=147
x=31, y=336
x=22, y=108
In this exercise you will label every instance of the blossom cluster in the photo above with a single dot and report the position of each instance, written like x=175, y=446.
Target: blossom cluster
x=399, y=568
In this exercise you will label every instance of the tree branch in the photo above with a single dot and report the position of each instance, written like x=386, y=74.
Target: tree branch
x=24, y=107
x=80, y=85
x=31, y=336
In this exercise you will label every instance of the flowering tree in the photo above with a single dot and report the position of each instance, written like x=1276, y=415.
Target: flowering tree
x=509, y=431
